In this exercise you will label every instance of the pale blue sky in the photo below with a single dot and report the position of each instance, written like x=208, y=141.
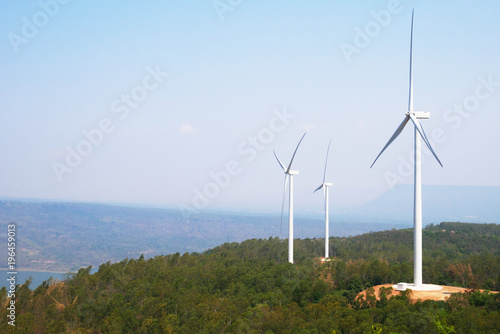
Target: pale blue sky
x=227, y=79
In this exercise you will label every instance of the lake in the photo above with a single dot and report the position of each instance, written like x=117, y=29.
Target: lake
x=38, y=277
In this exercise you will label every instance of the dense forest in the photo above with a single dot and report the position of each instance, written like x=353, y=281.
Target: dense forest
x=249, y=287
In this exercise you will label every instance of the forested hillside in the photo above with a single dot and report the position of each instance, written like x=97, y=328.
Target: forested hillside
x=249, y=287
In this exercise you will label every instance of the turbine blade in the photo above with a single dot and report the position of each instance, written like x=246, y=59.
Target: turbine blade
x=421, y=131
x=321, y=186
x=410, y=97
x=394, y=136
x=279, y=161
x=293, y=156
x=283, y=202
x=326, y=160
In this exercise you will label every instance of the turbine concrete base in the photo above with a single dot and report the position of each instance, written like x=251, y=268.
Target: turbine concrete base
x=422, y=287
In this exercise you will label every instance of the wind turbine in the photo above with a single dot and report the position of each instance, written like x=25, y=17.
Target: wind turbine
x=289, y=175
x=419, y=134
x=325, y=186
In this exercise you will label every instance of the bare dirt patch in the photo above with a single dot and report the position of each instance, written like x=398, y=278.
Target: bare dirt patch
x=442, y=294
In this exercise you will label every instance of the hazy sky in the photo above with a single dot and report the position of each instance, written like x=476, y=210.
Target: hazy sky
x=181, y=103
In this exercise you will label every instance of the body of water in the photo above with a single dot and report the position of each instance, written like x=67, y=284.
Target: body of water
x=38, y=277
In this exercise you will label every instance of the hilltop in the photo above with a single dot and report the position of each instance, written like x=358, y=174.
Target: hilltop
x=445, y=293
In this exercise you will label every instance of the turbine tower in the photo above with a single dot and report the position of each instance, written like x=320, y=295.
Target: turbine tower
x=325, y=186
x=419, y=134
x=289, y=175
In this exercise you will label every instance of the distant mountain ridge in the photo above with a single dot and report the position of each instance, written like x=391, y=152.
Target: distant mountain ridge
x=478, y=204
x=62, y=236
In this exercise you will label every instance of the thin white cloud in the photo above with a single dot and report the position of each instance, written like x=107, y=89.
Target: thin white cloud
x=186, y=128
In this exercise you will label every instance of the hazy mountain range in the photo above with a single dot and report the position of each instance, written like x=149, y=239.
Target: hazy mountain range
x=478, y=204
x=63, y=236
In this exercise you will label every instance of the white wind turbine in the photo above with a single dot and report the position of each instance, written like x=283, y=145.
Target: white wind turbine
x=289, y=175
x=419, y=133
x=325, y=186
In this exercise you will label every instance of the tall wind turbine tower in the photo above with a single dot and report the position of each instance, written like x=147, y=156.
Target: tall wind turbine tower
x=325, y=186
x=419, y=134
x=289, y=175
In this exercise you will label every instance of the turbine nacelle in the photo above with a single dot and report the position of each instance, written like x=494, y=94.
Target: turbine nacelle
x=420, y=114
x=323, y=185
